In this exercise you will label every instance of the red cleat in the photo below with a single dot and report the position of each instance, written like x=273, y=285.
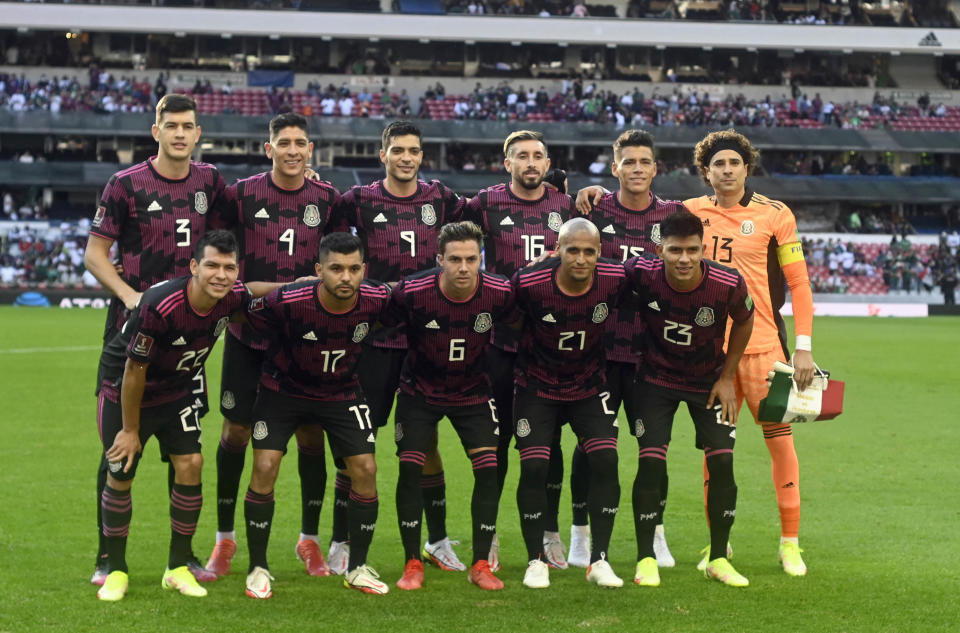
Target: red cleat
x=309, y=552
x=223, y=553
x=412, y=576
x=481, y=576
x=199, y=572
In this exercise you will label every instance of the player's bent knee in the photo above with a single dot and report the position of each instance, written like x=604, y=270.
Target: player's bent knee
x=234, y=433
x=187, y=468
x=120, y=484
x=362, y=470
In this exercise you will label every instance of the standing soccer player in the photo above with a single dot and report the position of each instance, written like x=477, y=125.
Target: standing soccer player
x=521, y=219
x=147, y=371
x=397, y=219
x=687, y=300
x=155, y=212
x=279, y=217
x=309, y=381
x=448, y=313
x=759, y=238
x=629, y=222
x=559, y=375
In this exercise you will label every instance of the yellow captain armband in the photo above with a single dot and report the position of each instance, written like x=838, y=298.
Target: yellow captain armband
x=790, y=253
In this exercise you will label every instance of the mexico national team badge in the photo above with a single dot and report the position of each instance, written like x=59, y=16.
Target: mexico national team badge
x=311, y=215
x=260, y=430
x=554, y=221
x=228, y=401
x=747, y=227
x=523, y=427
x=655, y=233
x=428, y=215
x=200, y=202
x=398, y=432
x=98, y=218
x=483, y=323
x=221, y=326
x=360, y=332
x=638, y=429
x=704, y=317
x=600, y=313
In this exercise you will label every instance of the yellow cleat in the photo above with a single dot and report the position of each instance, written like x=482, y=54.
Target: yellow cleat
x=183, y=581
x=114, y=587
x=791, y=560
x=648, y=573
x=721, y=569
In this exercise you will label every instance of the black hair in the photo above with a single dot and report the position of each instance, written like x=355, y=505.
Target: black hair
x=222, y=240
x=399, y=128
x=174, y=102
x=459, y=232
x=633, y=138
x=288, y=119
x=343, y=243
x=681, y=224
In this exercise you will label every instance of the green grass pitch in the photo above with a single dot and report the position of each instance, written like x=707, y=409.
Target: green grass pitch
x=879, y=528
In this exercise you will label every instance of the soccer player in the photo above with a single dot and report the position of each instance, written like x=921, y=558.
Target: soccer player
x=559, y=376
x=155, y=212
x=147, y=371
x=279, y=217
x=397, y=219
x=759, y=238
x=309, y=380
x=686, y=301
x=521, y=219
x=629, y=223
x=448, y=313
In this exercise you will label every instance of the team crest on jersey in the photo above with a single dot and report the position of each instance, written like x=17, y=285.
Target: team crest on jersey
x=523, y=427
x=115, y=466
x=221, y=326
x=704, y=317
x=483, y=323
x=398, y=432
x=228, y=401
x=260, y=430
x=638, y=429
x=600, y=313
x=554, y=221
x=311, y=215
x=143, y=344
x=100, y=215
x=655, y=233
x=360, y=332
x=200, y=202
x=428, y=215
x=747, y=227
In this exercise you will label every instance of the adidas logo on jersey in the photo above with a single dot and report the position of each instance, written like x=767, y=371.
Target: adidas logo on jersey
x=310, y=336
x=432, y=325
x=371, y=438
x=549, y=318
x=154, y=206
x=506, y=221
x=380, y=218
x=262, y=213
x=180, y=341
x=653, y=305
x=609, y=229
x=930, y=39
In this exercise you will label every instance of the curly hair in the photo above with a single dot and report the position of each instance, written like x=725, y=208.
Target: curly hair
x=730, y=139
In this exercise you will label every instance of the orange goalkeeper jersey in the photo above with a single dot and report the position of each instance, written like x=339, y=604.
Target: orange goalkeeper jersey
x=759, y=238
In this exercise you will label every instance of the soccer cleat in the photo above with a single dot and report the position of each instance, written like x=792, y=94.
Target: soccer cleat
x=365, y=579
x=601, y=574
x=705, y=552
x=660, y=549
x=493, y=558
x=791, y=560
x=182, y=580
x=481, y=576
x=412, y=576
x=100, y=573
x=199, y=571
x=721, y=569
x=554, y=550
x=537, y=575
x=309, y=552
x=579, y=555
x=442, y=555
x=648, y=573
x=223, y=553
x=258, y=583
x=114, y=586
x=339, y=557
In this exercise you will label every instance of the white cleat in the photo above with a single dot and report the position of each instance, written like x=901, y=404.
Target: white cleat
x=365, y=579
x=554, y=550
x=442, y=555
x=601, y=574
x=339, y=557
x=537, y=575
x=579, y=555
x=660, y=549
x=258, y=583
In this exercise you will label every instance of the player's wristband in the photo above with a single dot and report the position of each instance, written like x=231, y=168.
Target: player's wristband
x=804, y=343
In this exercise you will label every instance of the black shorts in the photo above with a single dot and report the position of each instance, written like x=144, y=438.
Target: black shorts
x=500, y=370
x=623, y=385
x=538, y=419
x=379, y=372
x=239, y=379
x=416, y=423
x=175, y=424
x=346, y=423
x=658, y=405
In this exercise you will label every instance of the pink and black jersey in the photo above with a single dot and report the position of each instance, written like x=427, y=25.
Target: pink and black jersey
x=561, y=351
x=626, y=233
x=314, y=352
x=447, y=339
x=685, y=330
x=176, y=340
x=279, y=232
